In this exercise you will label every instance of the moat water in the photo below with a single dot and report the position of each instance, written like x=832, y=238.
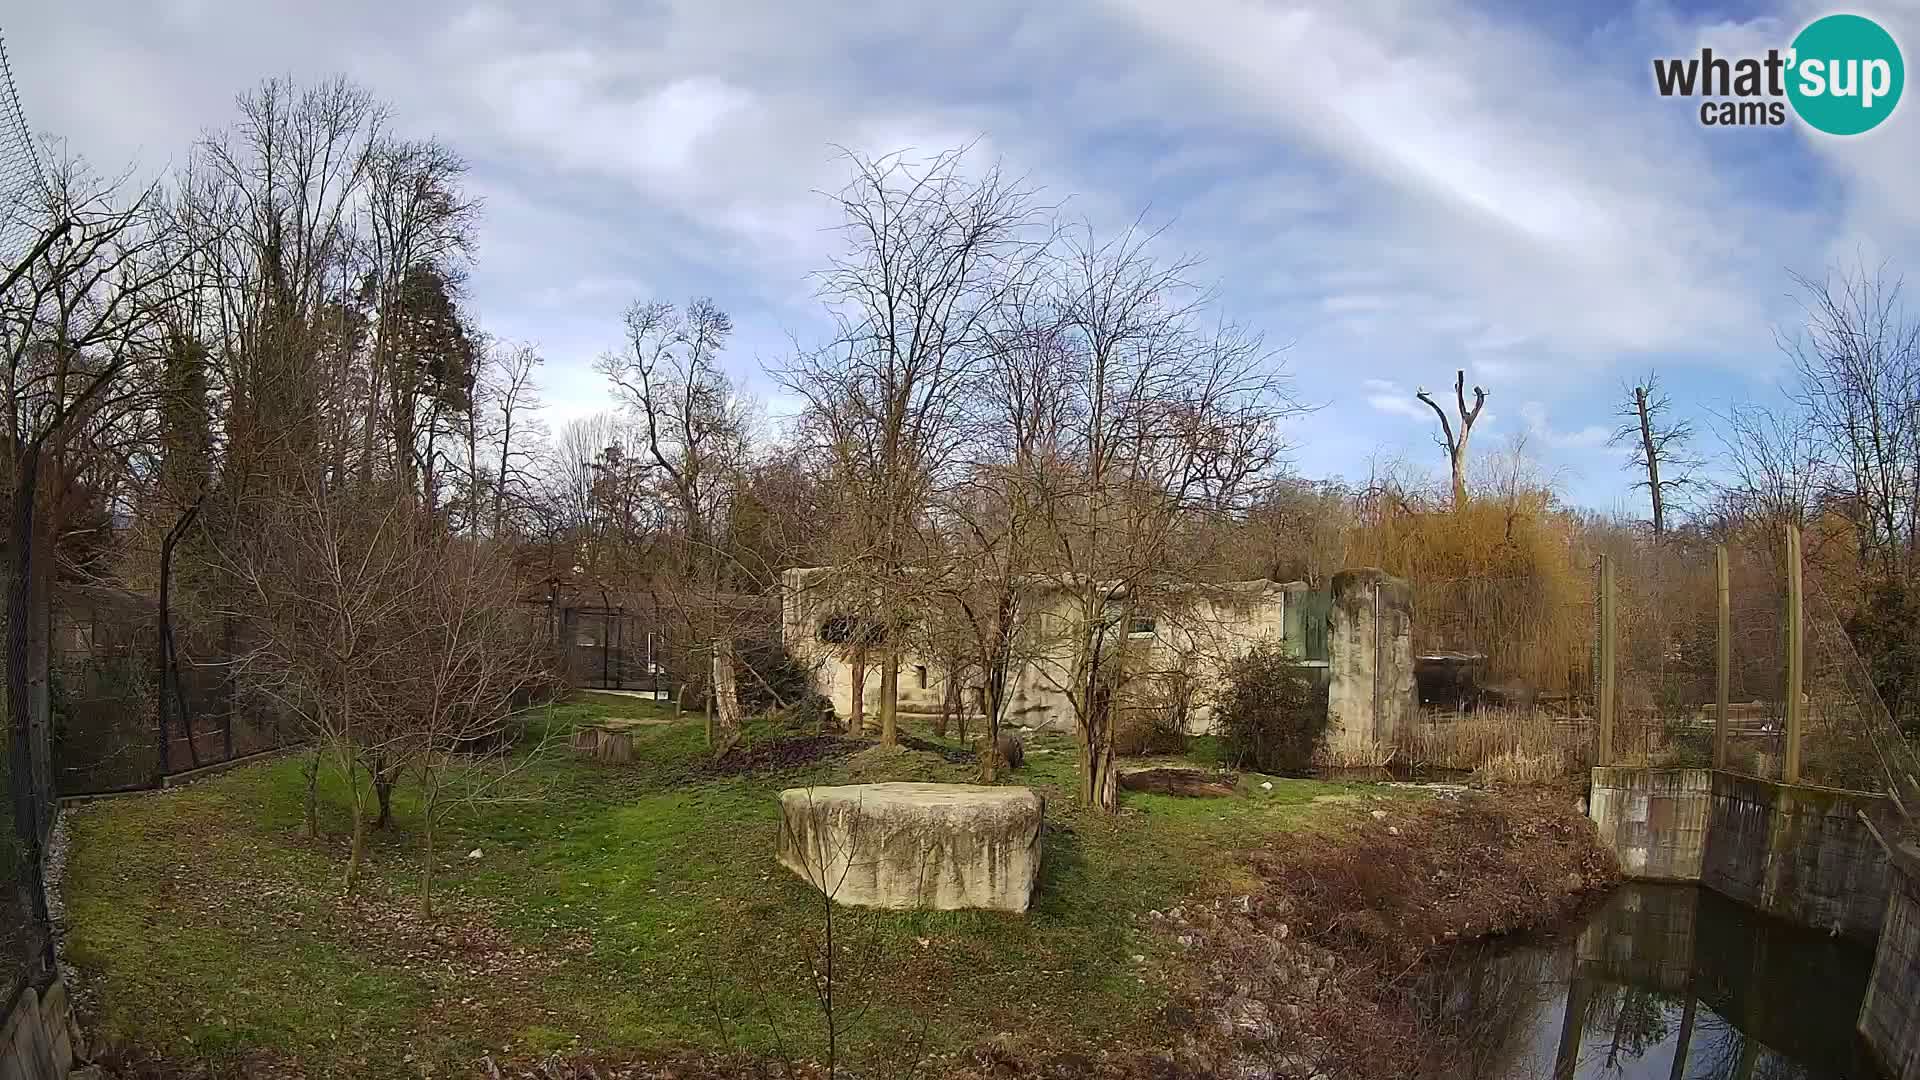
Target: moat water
x=1660, y=981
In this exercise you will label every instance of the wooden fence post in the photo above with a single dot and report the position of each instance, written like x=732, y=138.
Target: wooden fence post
x=1796, y=656
x=1723, y=655
x=1608, y=675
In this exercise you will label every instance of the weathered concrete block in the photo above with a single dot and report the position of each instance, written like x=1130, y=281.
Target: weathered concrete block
x=941, y=846
x=25, y=1050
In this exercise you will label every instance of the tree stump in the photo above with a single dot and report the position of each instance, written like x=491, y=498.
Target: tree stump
x=1194, y=783
x=586, y=739
x=615, y=746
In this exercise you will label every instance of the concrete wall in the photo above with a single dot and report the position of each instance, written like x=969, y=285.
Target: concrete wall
x=36, y=1041
x=1655, y=820
x=1207, y=629
x=1370, y=692
x=1890, y=1014
x=1797, y=852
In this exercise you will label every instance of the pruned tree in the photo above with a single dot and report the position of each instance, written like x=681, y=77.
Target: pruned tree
x=1455, y=442
x=1659, y=446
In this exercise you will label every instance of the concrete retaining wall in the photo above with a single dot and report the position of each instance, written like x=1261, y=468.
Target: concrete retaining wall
x=1655, y=820
x=1798, y=852
x=1890, y=1013
x=36, y=1041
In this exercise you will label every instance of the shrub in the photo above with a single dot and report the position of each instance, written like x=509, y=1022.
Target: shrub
x=810, y=711
x=1140, y=732
x=773, y=678
x=1273, y=713
x=1155, y=721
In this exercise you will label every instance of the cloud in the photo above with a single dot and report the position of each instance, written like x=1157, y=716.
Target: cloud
x=1590, y=437
x=1398, y=190
x=1386, y=396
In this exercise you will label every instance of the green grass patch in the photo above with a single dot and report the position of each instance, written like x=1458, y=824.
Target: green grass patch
x=633, y=909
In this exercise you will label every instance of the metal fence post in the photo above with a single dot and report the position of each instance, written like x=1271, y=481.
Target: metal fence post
x=1608, y=674
x=1723, y=656
x=1795, y=657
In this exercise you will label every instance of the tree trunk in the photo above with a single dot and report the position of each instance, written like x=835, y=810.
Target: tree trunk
x=1102, y=788
x=949, y=703
x=724, y=689
x=359, y=845
x=383, y=777
x=313, y=796
x=890, y=700
x=27, y=806
x=426, y=874
x=857, y=709
x=430, y=805
x=1100, y=785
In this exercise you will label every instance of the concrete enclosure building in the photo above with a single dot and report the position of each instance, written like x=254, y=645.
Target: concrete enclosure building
x=1175, y=653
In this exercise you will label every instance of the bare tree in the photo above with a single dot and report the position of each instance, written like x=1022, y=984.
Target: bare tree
x=930, y=253
x=76, y=316
x=1168, y=423
x=473, y=654
x=511, y=400
x=1858, y=362
x=1456, y=444
x=1659, y=446
x=695, y=431
x=330, y=591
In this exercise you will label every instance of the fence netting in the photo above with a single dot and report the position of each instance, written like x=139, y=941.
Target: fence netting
x=1503, y=673
x=108, y=733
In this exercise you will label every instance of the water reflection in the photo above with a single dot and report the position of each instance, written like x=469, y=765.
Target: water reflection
x=1661, y=982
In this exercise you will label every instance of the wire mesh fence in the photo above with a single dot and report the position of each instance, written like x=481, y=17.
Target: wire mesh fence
x=108, y=733
x=1509, y=672
x=611, y=648
x=1502, y=670
x=21, y=177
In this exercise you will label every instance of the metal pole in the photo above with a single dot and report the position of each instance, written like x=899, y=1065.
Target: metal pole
x=1723, y=656
x=1795, y=657
x=1607, y=673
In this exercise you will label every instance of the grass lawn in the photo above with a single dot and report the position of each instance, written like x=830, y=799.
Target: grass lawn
x=630, y=909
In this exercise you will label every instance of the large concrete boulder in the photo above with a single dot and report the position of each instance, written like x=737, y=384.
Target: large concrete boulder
x=940, y=846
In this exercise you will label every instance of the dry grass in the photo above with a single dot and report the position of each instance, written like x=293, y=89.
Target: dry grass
x=1467, y=742
x=1518, y=767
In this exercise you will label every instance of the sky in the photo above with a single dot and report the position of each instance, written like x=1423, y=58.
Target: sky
x=1388, y=191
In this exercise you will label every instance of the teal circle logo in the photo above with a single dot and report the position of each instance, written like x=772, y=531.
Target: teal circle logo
x=1845, y=74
